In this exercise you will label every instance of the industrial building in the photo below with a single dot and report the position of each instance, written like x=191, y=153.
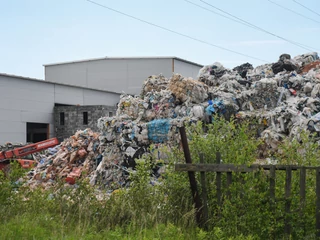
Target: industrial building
x=27, y=106
x=75, y=94
x=118, y=74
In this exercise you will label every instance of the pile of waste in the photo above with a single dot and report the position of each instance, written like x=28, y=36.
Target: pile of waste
x=283, y=98
x=75, y=157
x=87, y=155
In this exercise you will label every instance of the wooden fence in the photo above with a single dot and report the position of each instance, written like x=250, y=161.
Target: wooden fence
x=201, y=201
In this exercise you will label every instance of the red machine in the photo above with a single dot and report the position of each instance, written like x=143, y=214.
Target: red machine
x=18, y=153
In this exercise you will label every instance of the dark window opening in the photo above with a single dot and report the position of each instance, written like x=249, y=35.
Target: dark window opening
x=37, y=132
x=85, y=118
x=110, y=114
x=62, y=118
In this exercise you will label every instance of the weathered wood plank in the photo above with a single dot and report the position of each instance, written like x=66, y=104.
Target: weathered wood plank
x=272, y=179
x=229, y=182
x=204, y=194
x=232, y=168
x=287, y=227
x=191, y=174
x=302, y=188
x=212, y=168
x=272, y=184
x=218, y=184
x=243, y=182
x=302, y=195
x=318, y=203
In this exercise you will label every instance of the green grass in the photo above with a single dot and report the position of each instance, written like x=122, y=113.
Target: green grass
x=165, y=211
x=27, y=227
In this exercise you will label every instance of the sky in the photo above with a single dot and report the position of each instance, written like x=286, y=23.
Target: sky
x=37, y=32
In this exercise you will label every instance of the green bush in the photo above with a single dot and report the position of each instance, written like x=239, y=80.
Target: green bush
x=247, y=209
x=236, y=143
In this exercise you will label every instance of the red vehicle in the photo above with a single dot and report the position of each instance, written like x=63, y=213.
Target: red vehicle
x=20, y=154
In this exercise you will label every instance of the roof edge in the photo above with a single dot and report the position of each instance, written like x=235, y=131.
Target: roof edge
x=121, y=58
x=62, y=84
x=187, y=61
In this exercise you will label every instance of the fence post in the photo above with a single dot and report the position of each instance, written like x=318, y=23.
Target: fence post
x=204, y=194
x=287, y=226
x=302, y=194
x=272, y=185
x=218, y=184
x=192, y=179
x=229, y=182
x=273, y=193
x=318, y=203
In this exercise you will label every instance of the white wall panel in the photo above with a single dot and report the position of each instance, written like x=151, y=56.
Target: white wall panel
x=72, y=91
x=115, y=75
x=75, y=73
x=12, y=137
x=110, y=75
x=68, y=99
x=26, y=105
x=36, y=117
x=10, y=115
x=12, y=127
x=25, y=84
x=26, y=94
x=92, y=97
x=68, y=95
x=186, y=69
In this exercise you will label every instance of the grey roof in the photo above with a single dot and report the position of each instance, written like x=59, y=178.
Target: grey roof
x=62, y=84
x=124, y=58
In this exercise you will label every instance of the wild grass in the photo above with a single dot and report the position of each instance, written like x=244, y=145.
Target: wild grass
x=165, y=210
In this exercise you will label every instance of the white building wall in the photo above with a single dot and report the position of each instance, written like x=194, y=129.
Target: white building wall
x=186, y=69
x=92, y=97
x=25, y=100
x=116, y=75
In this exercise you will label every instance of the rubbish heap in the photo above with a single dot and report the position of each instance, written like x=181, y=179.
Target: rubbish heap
x=75, y=157
x=283, y=98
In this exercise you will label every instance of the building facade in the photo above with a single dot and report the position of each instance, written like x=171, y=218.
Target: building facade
x=75, y=95
x=121, y=75
x=27, y=106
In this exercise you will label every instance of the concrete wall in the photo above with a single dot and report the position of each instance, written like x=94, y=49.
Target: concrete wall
x=116, y=75
x=73, y=120
x=27, y=100
x=186, y=69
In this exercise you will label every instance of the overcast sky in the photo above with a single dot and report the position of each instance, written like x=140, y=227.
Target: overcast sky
x=37, y=32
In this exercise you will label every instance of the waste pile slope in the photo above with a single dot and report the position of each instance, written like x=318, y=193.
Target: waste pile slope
x=283, y=97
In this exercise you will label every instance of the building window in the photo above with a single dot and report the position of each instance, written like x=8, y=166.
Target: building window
x=85, y=118
x=110, y=114
x=62, y=118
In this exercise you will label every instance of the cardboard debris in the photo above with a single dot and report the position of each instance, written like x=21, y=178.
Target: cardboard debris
x=187, y=89
x=154, y=84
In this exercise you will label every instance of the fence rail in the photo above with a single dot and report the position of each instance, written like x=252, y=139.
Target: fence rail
x=200, y=201
x=229, y=169
x=209, y=167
